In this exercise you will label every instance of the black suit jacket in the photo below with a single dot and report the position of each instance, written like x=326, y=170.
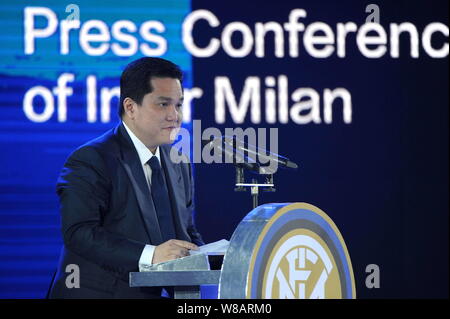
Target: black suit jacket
x=108, y=216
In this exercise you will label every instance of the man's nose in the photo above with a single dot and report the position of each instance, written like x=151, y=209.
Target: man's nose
x=173, y=113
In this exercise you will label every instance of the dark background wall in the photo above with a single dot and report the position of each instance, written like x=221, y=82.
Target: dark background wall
x=383, y=179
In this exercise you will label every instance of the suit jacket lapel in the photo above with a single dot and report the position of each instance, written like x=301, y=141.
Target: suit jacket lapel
x=135, y=172
x=176, y=190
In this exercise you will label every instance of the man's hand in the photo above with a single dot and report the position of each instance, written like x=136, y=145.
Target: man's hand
x=172, y=249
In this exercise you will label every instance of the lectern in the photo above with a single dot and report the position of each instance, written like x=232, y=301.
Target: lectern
x=280, y=250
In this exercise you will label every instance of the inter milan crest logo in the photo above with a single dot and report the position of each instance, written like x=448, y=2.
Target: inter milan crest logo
x=301, y=267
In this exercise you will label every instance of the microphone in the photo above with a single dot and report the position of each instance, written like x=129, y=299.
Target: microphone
x=236, y=150
x=263, y=155
x=232, y=155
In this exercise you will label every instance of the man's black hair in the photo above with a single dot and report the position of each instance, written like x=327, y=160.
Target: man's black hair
x=135, y=79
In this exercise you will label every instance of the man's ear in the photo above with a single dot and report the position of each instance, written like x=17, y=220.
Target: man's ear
x=129, y=107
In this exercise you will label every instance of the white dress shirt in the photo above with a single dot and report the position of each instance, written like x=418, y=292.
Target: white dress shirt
x=145, y=155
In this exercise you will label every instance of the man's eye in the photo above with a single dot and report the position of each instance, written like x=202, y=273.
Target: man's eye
x=163, y=104
x=179, y=105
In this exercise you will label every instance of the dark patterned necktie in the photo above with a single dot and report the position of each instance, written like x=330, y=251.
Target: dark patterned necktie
x=161, y=200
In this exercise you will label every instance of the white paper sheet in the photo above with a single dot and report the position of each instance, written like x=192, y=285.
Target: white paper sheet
x=215, y=248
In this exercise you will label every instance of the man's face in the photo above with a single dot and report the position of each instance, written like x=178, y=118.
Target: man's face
x=157, y=120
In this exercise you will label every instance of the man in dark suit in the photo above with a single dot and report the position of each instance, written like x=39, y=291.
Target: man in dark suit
x=124, y=202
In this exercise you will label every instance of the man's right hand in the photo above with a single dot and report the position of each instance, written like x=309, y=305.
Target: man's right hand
x=172, y=249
